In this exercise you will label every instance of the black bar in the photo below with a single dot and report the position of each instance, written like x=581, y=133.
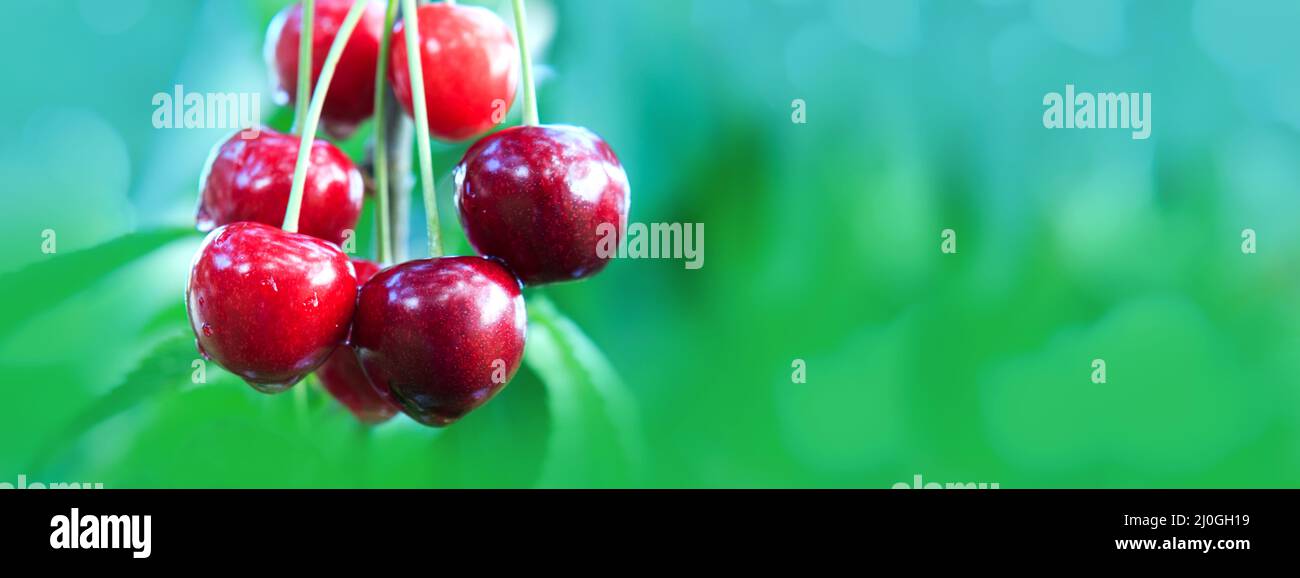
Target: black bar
x=271, y=525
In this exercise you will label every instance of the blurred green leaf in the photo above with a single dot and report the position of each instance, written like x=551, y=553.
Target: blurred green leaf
x=173, y=316
x=226, y=435
x=43, y=285
x=502, y=444
x=595, y=436
x=167, y=365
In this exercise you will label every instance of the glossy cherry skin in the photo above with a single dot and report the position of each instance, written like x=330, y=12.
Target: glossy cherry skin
x=343, y=377
x=441, y=336
x=267, y=305
x=536, y=197
x=471, y=69
x=351, y=97
x=249, y=180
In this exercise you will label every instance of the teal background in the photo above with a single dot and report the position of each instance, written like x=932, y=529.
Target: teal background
x=822, y=244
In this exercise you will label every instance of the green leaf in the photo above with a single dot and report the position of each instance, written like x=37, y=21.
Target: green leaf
x=595, y=435
x=170, y=318
x=167, y=365
x=502, y=444
x=43, y=285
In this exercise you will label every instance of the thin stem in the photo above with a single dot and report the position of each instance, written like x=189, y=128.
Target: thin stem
x=305, y=36
x=384, y=213
x=400, y=135
x=292, y=212
x=416, y=66
x=526, y=61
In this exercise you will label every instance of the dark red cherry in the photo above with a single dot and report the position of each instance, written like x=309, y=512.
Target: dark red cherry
x=267, y=305
x=351, y=97
x=471, y=69
x=249, y=180
x=343, y=377
x=440, y=336
x=537, y=197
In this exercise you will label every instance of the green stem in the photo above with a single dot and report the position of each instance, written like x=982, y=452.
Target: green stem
x=305, y=37
x=400, y=135
x=526, y=61
x=416, y=66
x=292, y=212
x=384, y=213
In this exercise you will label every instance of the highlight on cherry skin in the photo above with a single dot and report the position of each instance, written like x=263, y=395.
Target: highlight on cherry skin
x=250, y=179
x=342, y=376
x=268, y=305
x=471, y=69
x=440, y=337
x=536, y=197
x=351, y=97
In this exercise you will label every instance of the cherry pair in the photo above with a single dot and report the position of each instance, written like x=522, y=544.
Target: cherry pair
x=468, y=53
x=436, y=337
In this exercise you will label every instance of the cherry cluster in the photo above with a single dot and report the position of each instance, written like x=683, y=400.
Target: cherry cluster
x=434, y=338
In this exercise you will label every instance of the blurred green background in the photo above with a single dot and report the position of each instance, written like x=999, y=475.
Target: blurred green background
x=822, y=244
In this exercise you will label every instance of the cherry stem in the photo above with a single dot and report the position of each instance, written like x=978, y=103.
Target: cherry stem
x=384, y=213
x=305, y=37
x=399, y=136
x=526, y=62
x=415, y=65
x=292, y=212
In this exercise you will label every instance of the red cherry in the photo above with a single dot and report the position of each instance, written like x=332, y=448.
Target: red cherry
x=440, y=336
x=343, y=377
x=249, y=180
x=471, y=69
x=268, y=305
x=351, y=97
x=536, y=197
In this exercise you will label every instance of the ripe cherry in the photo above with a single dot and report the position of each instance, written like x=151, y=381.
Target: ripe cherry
x=249, y=180
x=537, y=197
x=343, y=377
x=440, y=336
x=470, y=68
x=351, y=97
x=268, y=305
